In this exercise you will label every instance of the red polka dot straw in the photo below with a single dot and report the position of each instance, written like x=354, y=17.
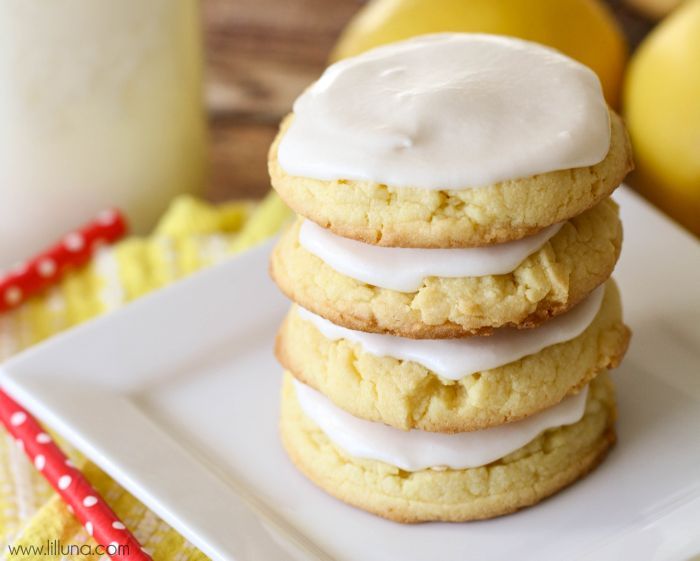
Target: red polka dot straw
x=75, y=249
x=98, y=519
x=21, y=282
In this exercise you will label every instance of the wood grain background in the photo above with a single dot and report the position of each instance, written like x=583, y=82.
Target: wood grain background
x=260, y=54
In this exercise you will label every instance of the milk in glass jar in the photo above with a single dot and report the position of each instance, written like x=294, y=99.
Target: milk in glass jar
x=100, y=105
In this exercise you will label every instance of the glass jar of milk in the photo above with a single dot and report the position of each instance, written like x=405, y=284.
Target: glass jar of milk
x=100, y=105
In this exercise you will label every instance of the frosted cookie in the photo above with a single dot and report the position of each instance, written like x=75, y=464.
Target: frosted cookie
x=453, y=140
x=554, y=277
x=458, y=384
x=477, y=485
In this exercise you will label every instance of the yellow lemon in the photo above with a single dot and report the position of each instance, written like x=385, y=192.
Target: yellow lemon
x=583, y=29
x=662, y=110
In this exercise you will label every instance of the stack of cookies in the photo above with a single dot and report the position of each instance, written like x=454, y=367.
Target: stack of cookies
x=446, y=354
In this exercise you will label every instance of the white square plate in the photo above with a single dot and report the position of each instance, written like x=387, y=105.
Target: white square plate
x=176, y=397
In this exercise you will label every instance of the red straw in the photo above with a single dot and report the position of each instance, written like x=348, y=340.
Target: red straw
x=98, y=519
x=47, y=268
x=24, y=281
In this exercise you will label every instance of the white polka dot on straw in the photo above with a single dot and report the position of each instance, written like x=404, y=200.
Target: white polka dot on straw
x=43, y=438
x=89, y=501
x=17, y=418
x=64, y=482
x=47, y=267
x=13, y=295
x=74, y=242
x=118, y=526
x=89, y=528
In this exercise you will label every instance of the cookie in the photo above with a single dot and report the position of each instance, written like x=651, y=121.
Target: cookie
x=407, y=395
x=410, y=217
x=554, y=459
x=568, y=267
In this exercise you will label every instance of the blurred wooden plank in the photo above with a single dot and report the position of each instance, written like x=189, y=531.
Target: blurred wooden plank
x=239, y=160
x=262, y=53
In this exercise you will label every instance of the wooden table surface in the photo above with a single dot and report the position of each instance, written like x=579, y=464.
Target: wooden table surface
x=260, y=54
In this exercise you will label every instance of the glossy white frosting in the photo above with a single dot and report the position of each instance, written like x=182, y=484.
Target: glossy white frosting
x=404, y=269
x=453, y=359
x=448, y=111
x=416, y=450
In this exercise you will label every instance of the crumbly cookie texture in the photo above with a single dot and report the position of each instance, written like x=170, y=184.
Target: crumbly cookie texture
x=411, y=217
x=407, y=395
x=568, y=267
x=550, y=462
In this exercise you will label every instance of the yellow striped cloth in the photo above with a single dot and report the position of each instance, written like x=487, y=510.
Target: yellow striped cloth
x=190, y=236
